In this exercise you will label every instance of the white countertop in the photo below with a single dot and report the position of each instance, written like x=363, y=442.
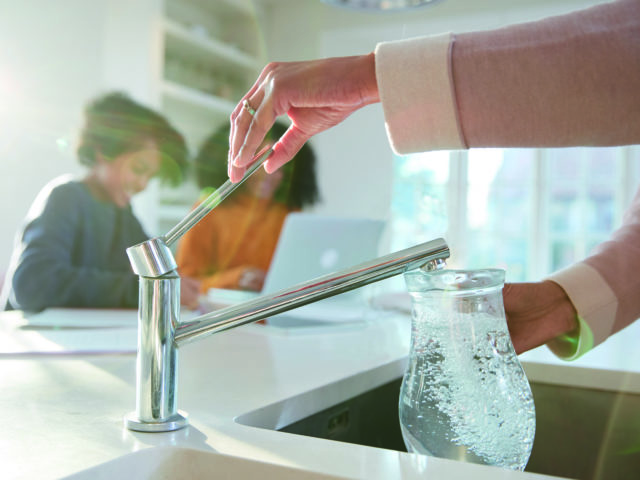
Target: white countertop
x=62, y=407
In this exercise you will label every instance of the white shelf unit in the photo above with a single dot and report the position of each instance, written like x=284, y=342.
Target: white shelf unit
x=210, y=48
x=195, y=99
x=209, y=57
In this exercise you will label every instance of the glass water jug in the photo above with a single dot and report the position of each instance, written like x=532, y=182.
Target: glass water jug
x=464, y=395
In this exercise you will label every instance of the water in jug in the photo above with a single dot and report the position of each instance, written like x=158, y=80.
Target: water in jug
x=464, y=395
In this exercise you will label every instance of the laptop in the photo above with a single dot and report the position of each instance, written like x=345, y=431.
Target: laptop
x=310, y=246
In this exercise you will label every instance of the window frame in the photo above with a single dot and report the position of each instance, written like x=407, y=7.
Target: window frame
x=539, y=254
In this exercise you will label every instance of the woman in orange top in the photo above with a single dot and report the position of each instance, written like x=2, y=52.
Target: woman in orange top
x=232, y=247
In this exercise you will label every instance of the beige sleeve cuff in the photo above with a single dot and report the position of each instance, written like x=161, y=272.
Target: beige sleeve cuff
x=417, y=94
x=592, y=297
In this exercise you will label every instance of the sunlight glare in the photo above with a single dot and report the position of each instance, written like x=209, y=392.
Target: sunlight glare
x=484, y=164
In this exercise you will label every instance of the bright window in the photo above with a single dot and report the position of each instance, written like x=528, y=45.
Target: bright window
x=529, y=211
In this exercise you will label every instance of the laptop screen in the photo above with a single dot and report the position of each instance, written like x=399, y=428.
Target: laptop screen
x=312, y=245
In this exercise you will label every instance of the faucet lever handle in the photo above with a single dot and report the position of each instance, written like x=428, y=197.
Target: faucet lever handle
x=153, y=258
x=215, y=199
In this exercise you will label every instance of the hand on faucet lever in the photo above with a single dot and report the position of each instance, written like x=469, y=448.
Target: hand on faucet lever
x=190, y=292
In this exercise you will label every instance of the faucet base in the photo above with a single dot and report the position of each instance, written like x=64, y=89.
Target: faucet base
x=175, y=422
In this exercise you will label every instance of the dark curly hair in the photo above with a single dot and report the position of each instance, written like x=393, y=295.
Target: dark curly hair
x=298, y=188
x=115, y=124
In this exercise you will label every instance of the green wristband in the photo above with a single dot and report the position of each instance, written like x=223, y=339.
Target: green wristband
x=572, y=345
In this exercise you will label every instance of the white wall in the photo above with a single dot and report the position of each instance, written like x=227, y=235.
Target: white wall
x=355, y=158
x=50, y=62
x=54, y=56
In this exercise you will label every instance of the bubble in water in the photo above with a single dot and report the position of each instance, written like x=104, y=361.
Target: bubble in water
x=465, y=394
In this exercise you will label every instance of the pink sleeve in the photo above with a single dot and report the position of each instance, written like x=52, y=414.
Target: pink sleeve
x=566, y=80
x=605, y=288
x=420, y=109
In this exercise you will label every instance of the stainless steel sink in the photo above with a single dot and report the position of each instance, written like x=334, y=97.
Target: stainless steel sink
x=581, y=433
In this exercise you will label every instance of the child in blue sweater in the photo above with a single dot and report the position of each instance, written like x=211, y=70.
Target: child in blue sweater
x=71, y=251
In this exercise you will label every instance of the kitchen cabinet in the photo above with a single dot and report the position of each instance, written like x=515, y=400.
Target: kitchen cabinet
x=209, y=56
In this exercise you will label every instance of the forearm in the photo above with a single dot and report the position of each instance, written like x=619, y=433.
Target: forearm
x=567, y=80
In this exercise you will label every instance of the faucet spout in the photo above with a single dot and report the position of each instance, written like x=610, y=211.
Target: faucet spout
x=431, y=253
x=160, y=332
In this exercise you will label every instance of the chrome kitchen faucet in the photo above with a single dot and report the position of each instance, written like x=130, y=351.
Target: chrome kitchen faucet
x=160, y=332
